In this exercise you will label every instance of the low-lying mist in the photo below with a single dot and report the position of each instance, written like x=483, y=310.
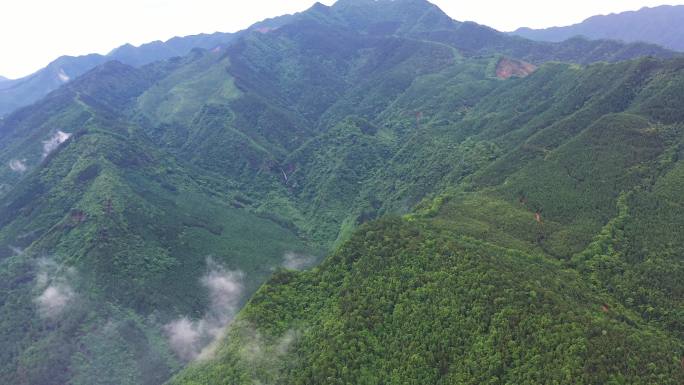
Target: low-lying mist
x=191, y=339
x=55, y=288
x=295, y=261
x=54, y=141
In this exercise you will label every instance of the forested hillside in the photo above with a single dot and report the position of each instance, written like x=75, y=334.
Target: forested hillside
x=574, y=187
x=496, y=210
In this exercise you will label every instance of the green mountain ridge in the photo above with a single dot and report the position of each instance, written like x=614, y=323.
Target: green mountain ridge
x=131, y=195
x=498, y=207
x=18, y=93
x=405, y=302
x=96, y=203
x=27, y=90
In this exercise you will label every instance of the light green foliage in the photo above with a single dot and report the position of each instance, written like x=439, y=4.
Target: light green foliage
x=411, y=303
x=183, y=92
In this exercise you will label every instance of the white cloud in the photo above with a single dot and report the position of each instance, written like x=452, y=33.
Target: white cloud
x=56, y=292
x=63, y=76
x=225, y=288
x=17, y=165
x=193, y=339
x=294, y=261
x=266, y=354
x=54, y=141
x=185, y=337
x=54, y=299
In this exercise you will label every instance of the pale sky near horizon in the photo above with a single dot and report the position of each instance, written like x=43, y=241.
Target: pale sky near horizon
x=35, y=32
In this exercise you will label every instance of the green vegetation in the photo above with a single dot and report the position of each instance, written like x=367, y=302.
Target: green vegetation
x=15, y=94
x=521, y=231
x=139, y=231
x=404, y=302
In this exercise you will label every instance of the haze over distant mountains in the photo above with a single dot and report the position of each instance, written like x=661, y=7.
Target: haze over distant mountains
x=659, y=25
x=24, y=91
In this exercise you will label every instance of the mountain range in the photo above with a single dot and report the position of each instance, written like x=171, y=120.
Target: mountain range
x=659, y=25
x=366, y=193
x=25, y=91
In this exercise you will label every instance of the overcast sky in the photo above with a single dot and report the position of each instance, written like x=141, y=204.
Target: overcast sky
x=34, y=32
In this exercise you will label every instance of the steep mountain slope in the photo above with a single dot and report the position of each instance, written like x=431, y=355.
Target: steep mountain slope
x=405, y=301
x=115, y=212
x=137, y=232
x=659, y=25
x=544, y=231
x=140, y=207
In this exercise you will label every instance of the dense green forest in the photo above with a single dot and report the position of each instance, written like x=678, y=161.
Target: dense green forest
x=493, y=210
x=603, y=253
x=405, y=301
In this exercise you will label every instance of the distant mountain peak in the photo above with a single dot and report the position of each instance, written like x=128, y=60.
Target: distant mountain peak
x=380, y=2
x=123, y=48
x=658, y=9
x=391, y=16
x=658, y=25
x=318, y=5
x=406, y=4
